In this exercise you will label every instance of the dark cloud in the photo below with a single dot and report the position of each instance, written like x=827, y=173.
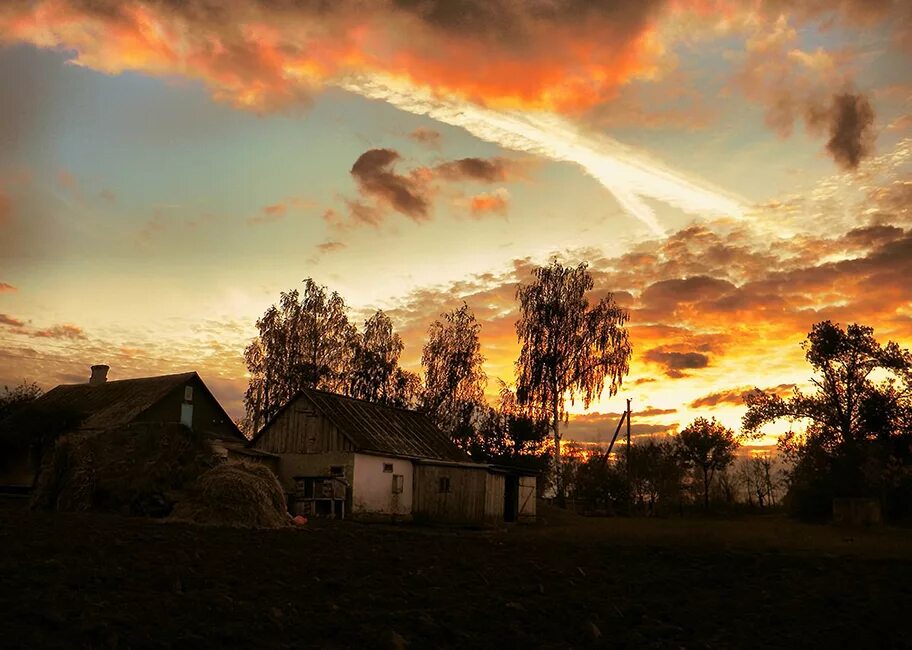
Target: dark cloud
x=850, y=121
x=376, y=177
x=676, y=362
x=736, y=395
x=488, y=170
x=666, y=294
x=9, y=320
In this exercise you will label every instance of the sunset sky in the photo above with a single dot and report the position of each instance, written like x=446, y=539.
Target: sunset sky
x=732, y=171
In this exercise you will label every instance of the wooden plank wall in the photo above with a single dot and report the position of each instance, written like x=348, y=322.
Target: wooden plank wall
x=465, y=501
x=301, y=430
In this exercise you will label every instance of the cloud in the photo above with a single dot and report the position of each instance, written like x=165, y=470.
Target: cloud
x=851, y=122
x=562, y=54
x=376, y=177
x=269, y=213
x=428, y=137
x=809, y=86
x=330, y=246
x=487, y=170
x=9, y=320
x=64, y=331
x=675, y=362
x=383, y=188
x=496, y=202
x=736, y=395
x=7, y=288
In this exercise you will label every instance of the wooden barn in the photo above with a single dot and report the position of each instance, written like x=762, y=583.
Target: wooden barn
x=101, y=405
x=348, y=457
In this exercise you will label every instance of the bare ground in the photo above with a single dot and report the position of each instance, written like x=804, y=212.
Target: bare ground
x=86, y=580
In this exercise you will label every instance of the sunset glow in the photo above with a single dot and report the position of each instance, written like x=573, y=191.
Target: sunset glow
x=732, y=171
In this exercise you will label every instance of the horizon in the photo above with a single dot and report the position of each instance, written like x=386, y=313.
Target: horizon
x=732, y=173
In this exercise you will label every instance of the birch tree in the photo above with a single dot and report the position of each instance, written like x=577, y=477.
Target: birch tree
x=570, y=348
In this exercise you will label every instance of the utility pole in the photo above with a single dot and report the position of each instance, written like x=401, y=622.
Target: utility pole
x=628, y=444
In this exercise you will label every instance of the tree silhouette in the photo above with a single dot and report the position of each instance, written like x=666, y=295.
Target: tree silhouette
x=12, y=399
x=305, y=341
x=856, y=427
x=569, y=347
x=454, y=380
x=511, y=433
x=375, y=373
x=709, y=447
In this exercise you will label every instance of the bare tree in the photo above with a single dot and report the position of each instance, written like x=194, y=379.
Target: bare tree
x=12, y=399
x=569, y=347
x=709, y=447
x=454, y=380
x=305, y=341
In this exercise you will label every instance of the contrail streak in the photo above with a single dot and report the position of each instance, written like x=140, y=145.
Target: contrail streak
x=628, y=175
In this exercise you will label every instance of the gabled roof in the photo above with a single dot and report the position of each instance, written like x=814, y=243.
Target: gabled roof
x=88, y=407
x=382, y=429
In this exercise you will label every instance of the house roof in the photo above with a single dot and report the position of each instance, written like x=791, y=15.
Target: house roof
x=87, y=407
x=383, y=429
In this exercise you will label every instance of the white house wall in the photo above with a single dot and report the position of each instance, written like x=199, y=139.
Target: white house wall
x=372, y=488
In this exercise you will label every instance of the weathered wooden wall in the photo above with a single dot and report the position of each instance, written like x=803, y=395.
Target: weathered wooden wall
x=299, y=429
x=494, y=497
x=465, y=503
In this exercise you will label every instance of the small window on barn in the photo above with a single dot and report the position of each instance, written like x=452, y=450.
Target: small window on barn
x=444, y=483
x=397, y=483
x=337, y=470
x=388, y=468
x=188, y=393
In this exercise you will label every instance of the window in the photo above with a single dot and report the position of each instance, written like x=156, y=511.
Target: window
x=444, y=483
x=188, y=393
x=336, y=470
x=388, y=468
x=397, y=483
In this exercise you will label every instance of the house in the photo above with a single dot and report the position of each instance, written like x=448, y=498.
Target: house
x=100, y=405
x=345, y=456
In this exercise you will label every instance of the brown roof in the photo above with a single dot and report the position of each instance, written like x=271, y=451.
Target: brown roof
x=85, y=407
x=385, y=429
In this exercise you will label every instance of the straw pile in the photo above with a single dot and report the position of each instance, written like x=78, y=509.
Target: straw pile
x=235, y=494
x=135, y=469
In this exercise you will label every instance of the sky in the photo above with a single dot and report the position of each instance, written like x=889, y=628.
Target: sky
x=732, y=172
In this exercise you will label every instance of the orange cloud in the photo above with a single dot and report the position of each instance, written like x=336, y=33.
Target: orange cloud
x=496, y=202
x=9, y=320
x=565, y=55
x=64, y=331
x=7, y=288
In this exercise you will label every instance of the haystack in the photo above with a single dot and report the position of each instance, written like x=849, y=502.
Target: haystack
x=136, y=468
x=235, y=494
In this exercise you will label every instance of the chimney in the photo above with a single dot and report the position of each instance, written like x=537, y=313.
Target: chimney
x=99, y=375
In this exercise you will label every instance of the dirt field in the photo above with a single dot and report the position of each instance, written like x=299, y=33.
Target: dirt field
x=70, y=580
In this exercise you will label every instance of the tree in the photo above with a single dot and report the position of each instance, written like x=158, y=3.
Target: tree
x=511, y=434
x=454, y=380
x=305, y=341
x=856, y=428
x=376, y=375
x=656, y=476
x=569, y=347
x=707, y=446
x=12, y=399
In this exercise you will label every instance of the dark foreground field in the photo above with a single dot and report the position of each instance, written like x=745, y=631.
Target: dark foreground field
x=69, y=580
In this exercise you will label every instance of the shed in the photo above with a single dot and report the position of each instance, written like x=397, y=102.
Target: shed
x=395, y=463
